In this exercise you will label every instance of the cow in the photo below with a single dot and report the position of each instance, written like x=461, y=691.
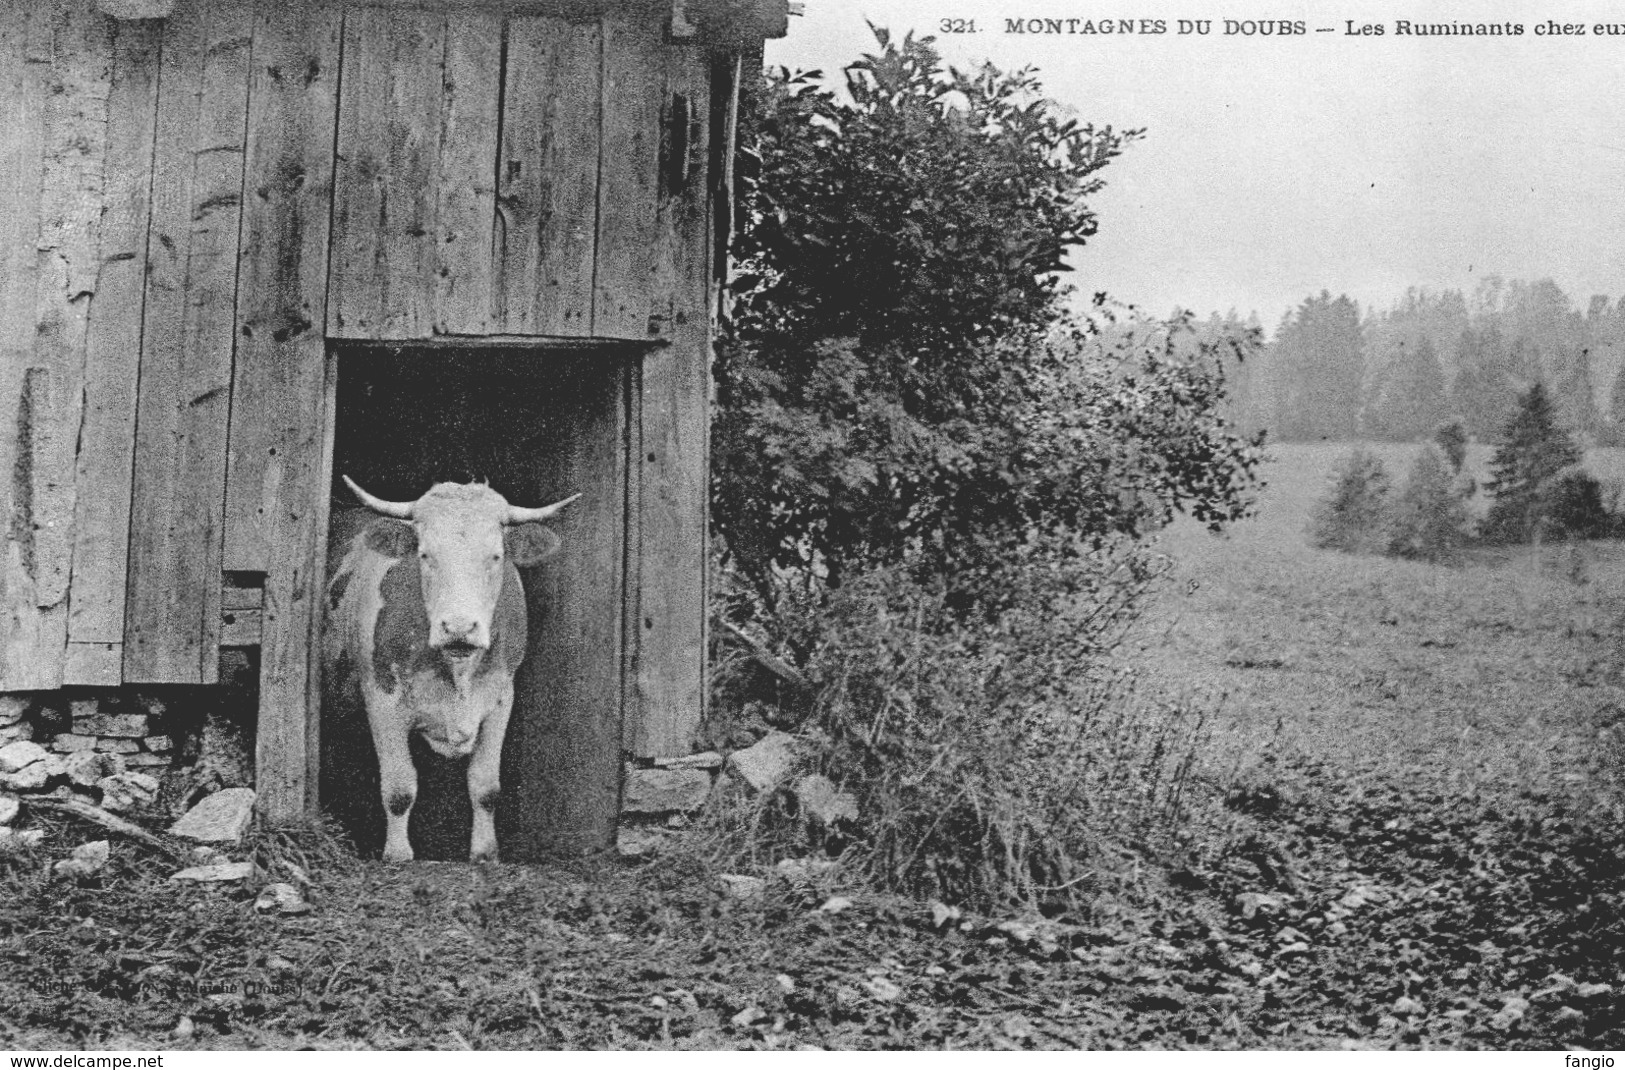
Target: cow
x=426, y=620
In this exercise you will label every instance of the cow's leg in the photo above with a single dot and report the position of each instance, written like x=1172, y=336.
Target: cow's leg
x=397, y=777
x=485, y=778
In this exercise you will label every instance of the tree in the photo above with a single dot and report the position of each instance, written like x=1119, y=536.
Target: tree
x=1451, y=438
x=899, y=350
x=1354, y=516
x=1412, y=401
x=1534, y=448
x=1429, y=517
x=1320, y=360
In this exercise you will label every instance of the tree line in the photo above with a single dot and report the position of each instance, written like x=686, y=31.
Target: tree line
x=1334, y=371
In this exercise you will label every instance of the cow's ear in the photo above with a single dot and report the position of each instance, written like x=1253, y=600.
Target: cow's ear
x=529, y=544
x=392, y=538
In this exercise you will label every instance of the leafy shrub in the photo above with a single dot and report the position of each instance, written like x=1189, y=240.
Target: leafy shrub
x=901, y=382
x=1354, y=517
x=1571, y=505
x=1428, y=519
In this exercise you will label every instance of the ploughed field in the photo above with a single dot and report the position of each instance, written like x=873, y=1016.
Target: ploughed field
x=1405, y=829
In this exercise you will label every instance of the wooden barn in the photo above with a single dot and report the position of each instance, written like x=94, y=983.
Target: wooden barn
x=246, y=247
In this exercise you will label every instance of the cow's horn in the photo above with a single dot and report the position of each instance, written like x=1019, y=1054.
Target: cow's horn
x=516, y=515
x=398, y=510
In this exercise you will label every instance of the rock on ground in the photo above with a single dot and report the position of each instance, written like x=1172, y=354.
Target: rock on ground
x=735, y=886
x=8, y=809
x=122, y=791
x=12, y=708
x=282, y=898
x=765, y=764
x=824, y=805
x=12, y=840
x=658, y=791
x=128, y=725
x=87, y=860
x=29, y=778
x=222, y=871
x=14, y=757
x=220, y=818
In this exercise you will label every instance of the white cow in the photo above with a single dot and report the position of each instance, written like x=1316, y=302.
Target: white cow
x=426, y=619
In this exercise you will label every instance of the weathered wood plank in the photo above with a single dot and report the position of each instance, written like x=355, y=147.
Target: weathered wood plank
x=315, y=580
x=244, y=627
x=465, y=213
x=93, y=665
x=282, y=268
x=25, y=69
x=112, y=361
x=172, y=616
x=629, y=179
x=388, y=141
x=562, y=760
x=69, y=244
x=547, y=181
x=276, y=486
x=674, y=431
x=54, y=65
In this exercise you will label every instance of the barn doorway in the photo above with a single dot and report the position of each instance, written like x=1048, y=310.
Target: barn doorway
x=539, y=424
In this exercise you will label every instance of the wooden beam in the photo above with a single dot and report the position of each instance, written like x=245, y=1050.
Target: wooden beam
x=628, y=186
x=277, y=489
x=387, y=145
x=673, y=432
x=55, y=63
x=547, y=177
x=465, y=177
x=172, y=617
x=113, y=355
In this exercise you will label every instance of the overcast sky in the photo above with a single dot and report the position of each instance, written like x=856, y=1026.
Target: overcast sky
x=1274, y=167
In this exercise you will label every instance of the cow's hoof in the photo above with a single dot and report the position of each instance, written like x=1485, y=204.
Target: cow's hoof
x=487, y=855
x=402, y=855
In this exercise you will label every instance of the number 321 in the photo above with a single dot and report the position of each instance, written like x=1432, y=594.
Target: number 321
x=956, y=26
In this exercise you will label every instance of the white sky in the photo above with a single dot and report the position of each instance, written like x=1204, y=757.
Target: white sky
x=1275, y=167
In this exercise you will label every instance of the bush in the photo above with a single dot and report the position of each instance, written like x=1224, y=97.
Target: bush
x=902, y=384
x=992, y=761
x=1354, y=517
x=1571, y=506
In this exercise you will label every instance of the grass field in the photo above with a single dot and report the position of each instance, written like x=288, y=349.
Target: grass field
x=1505, y=670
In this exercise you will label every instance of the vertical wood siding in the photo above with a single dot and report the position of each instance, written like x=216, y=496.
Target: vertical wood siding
x=277, y=488
x=197, y=205
x=95, y=652
x=173, y=613
x=674, y=431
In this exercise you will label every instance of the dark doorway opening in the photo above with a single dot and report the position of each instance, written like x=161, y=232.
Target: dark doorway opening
x=538, y=424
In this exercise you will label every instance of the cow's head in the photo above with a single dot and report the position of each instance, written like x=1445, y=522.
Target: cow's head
x=462, y=533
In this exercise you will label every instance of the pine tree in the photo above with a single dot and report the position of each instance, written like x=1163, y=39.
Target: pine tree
x=1354, y=516
x=1429, y=516
x=1534, y=448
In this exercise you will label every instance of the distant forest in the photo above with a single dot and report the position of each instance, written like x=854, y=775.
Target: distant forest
x=1335, y=371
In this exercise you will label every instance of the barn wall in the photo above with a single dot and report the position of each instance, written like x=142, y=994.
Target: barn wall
x=197, y=205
